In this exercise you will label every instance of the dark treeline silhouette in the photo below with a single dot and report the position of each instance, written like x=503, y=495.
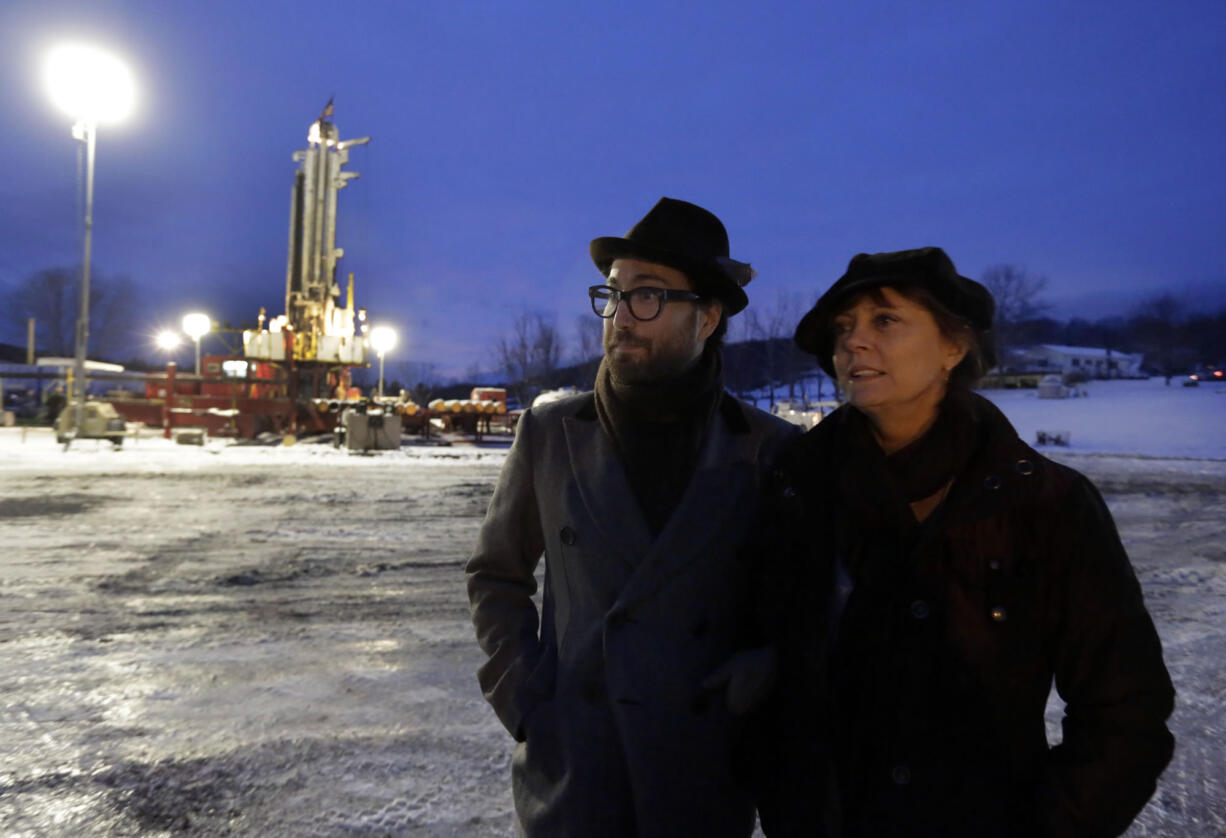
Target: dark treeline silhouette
x=775, y=366
x=52, y=298
x=1171, y=340
x=1175, y=337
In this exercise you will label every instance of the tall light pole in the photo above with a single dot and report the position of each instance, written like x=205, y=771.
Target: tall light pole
x=382, y=338
x=197, y=325
x=91, y=87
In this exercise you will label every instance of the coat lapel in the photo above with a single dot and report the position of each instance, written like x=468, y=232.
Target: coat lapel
x=605, y=490
x=719, y=488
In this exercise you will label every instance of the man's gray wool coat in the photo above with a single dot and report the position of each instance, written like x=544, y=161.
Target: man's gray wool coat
x=616, y=734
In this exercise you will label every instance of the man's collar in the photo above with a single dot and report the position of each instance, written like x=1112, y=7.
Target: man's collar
x=730, y=409
x=734, y=413
x=587, y=409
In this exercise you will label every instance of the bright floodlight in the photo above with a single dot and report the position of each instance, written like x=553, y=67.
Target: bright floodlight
x=382, y=338
x=196, y=325
x=88, y=84
x=168, y=339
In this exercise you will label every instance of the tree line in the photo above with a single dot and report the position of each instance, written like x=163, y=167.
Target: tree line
x=760, y=357
x=1173, y=337
x=51, y=297
x=534, y=354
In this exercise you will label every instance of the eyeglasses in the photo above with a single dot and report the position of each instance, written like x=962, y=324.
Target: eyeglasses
x=646, y=302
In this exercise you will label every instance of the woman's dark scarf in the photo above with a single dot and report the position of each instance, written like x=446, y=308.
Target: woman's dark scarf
x=658, y=429
x=876, y=534
x=871, y=479
x=875, y=529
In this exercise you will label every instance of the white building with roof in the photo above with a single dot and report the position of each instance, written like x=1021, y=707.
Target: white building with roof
x=1093, y=361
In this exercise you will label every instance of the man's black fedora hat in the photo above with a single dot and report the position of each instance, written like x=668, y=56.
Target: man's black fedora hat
x=927, y=267
x=686, y=237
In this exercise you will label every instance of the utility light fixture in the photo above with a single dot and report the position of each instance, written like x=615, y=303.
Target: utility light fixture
x=197, y=325
x=383, y=339
x=89, y=85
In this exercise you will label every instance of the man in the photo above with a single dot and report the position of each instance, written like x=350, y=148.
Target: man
x=625, y=703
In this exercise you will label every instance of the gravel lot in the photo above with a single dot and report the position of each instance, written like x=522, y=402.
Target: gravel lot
x=267, y=641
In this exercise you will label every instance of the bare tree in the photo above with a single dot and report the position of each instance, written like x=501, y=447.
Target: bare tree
x=1158, y=327
x=50, y=296
x=589, y=348
x=589, y=337
x=1017, y=300
x=782, y=362
x=410, y=375
x=530, y=354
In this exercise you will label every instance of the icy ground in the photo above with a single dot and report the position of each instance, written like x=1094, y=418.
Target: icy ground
x=239, y=640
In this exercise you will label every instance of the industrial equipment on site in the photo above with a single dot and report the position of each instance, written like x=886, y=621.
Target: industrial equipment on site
x=99, y=420
x=294, y=375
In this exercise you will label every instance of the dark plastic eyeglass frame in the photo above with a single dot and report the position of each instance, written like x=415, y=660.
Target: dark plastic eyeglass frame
x=600, y=296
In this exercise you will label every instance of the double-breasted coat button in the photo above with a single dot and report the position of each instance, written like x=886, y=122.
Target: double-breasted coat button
x=993, y=564
x=901, y=775
x=920, y=610
x=1024, y=467
x=999, y=614
x=567, y=535
x=992, y=482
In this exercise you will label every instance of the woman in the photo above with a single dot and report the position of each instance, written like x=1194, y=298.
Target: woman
x=964, y=572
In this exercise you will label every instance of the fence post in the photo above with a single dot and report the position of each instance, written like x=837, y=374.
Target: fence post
x=170, y=394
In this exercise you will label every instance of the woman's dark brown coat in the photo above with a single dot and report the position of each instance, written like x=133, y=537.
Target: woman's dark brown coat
x=925, y=680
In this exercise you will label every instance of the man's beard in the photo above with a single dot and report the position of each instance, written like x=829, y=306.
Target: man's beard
x=654, y=364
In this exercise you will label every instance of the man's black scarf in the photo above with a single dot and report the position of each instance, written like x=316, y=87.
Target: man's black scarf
x=658, y=429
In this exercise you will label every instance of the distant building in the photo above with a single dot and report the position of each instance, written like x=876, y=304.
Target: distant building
x=1094, y=362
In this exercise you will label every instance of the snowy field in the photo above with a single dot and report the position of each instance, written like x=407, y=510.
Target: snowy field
x=274, y=641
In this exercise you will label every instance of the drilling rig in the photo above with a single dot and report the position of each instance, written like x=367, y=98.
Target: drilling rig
x=318, y=327
x=292, y=361
x=294, y=373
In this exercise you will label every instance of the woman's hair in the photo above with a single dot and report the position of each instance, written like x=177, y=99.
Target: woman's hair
x=978, y=342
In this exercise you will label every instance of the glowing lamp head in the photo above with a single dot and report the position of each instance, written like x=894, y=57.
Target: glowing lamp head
x=88, y=84
x=382, y=338
x=197, y=325
x=168, y=340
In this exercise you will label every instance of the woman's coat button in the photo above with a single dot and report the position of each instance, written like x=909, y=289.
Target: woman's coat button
x=992, y=482
x=920, y=609
x=567, y=535
x=999, y=614
x=901, y=775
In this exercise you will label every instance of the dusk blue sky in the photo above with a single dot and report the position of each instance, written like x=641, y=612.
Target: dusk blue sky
x=1085, y=141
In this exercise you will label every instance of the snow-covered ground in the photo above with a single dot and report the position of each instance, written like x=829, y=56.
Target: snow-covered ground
x=265, y=640
x=1144, y=417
